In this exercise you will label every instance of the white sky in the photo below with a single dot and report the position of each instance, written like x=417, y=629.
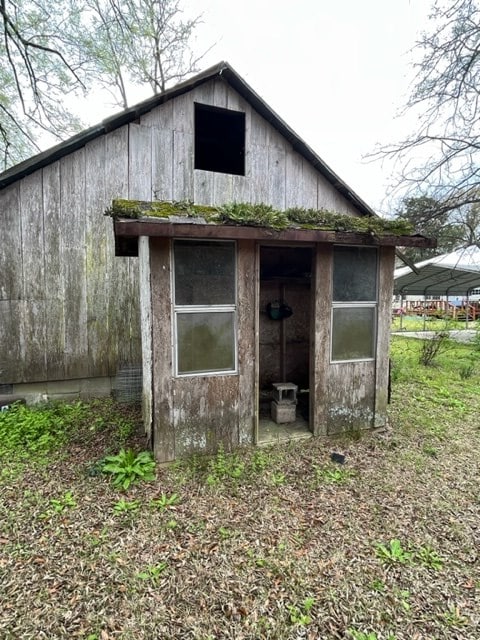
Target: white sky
x=337, y=71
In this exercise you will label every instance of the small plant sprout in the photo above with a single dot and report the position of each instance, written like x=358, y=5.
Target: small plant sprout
x=393, y=553
x=300, y=614
x=128, y=467
x=165, y=501
x=278, y=479
x=429, y=558
x=332, y=475
x=367, y=635
x=125, y=506
x=67, y=501
x=153, y=572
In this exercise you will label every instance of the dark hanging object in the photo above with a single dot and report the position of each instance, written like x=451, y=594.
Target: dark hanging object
x=337, y=457
x=278, y=310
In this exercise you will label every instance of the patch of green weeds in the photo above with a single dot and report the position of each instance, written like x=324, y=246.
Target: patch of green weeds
x=367, y=635
x=331, y=474
x=429, y=558
x=36, y=431
x=453, y=617
x=152, y=572
x=278, y=479
x=392, y=553
x=126, y=506
x=224, y=466
x=225, y=533
x=165, y=501
x=300, y=613
x=60, y=505
x=128, y=467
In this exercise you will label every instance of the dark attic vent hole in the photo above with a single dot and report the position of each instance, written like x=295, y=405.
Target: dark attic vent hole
x=219, y=140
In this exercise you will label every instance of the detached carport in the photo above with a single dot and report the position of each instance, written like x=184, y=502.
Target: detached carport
x=453, y=274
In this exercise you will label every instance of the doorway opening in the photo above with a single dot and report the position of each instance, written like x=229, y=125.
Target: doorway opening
x=285, y=301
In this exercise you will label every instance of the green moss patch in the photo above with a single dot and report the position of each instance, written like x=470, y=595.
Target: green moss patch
x=260, y=215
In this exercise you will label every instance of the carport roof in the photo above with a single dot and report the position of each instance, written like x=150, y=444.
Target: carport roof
x=455, y=273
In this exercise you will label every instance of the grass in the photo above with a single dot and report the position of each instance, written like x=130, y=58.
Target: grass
x=273, y=543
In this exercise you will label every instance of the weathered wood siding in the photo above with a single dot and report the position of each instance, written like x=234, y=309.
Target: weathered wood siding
x=68, y=307
x=196, y=414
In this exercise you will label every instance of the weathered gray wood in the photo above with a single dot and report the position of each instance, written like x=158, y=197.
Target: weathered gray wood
x=183, y=114
x=11, y=366
x=163, y=420
x=276, y=176
x=320, y=337
x=160, y=118
x=116, y=186
x=259, y=180
x=183, y=152
x=350, y=396
x=54, y=284
x=146, y=330
x=139, y=162
x=33, y=259
x=162, y=164
x=72, y=224
x=246, y=322
x=222, y=188
x=203, y=187
x=293, y=179
x=309, y=186
x=11, y=274
x=97, y=254
x=385, y=296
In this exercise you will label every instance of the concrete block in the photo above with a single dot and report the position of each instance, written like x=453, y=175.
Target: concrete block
x=285, y=392
x=282, y=413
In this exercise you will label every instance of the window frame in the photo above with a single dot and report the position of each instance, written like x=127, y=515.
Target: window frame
x=352, y=304
x=178, y=309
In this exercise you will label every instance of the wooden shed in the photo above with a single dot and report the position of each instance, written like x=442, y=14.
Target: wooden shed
x=70, y=309
x=253, y=333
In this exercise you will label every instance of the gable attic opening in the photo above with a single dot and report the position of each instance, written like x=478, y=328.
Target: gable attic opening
x=219, y=140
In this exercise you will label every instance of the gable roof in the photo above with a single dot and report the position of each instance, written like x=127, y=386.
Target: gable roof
x=221, y=70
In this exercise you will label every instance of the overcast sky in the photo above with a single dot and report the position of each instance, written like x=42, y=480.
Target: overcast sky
x=337, y=71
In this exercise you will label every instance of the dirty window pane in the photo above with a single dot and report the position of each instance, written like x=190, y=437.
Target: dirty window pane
x=354, y=274
x=205, y=342
x=353, y=333
x=204, y=273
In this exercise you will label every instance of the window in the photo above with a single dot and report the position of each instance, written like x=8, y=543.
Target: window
x=219, y=140
x=354, y=309
x=205, y=307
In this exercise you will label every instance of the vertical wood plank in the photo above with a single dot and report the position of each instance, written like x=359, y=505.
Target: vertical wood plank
x=309, y=185
x=98, y=228
x=293, y=179
x=276, y=176
x=72, y=193
x=222, y=188
x=203, y=187
x=116, y=186
x=247, y=315
x=385, y=294
x=139, y=162
x=320, y=336
x=162, y=164
x=11, y=269
x=259, y=180
x=54, y=283
x=146, y=330
x=160, y=278
x=11, y=286
x=160, y=117
x=183, y=151
x=183, y=113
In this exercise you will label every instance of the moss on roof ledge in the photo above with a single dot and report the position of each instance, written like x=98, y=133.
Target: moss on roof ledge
x=260, y=215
